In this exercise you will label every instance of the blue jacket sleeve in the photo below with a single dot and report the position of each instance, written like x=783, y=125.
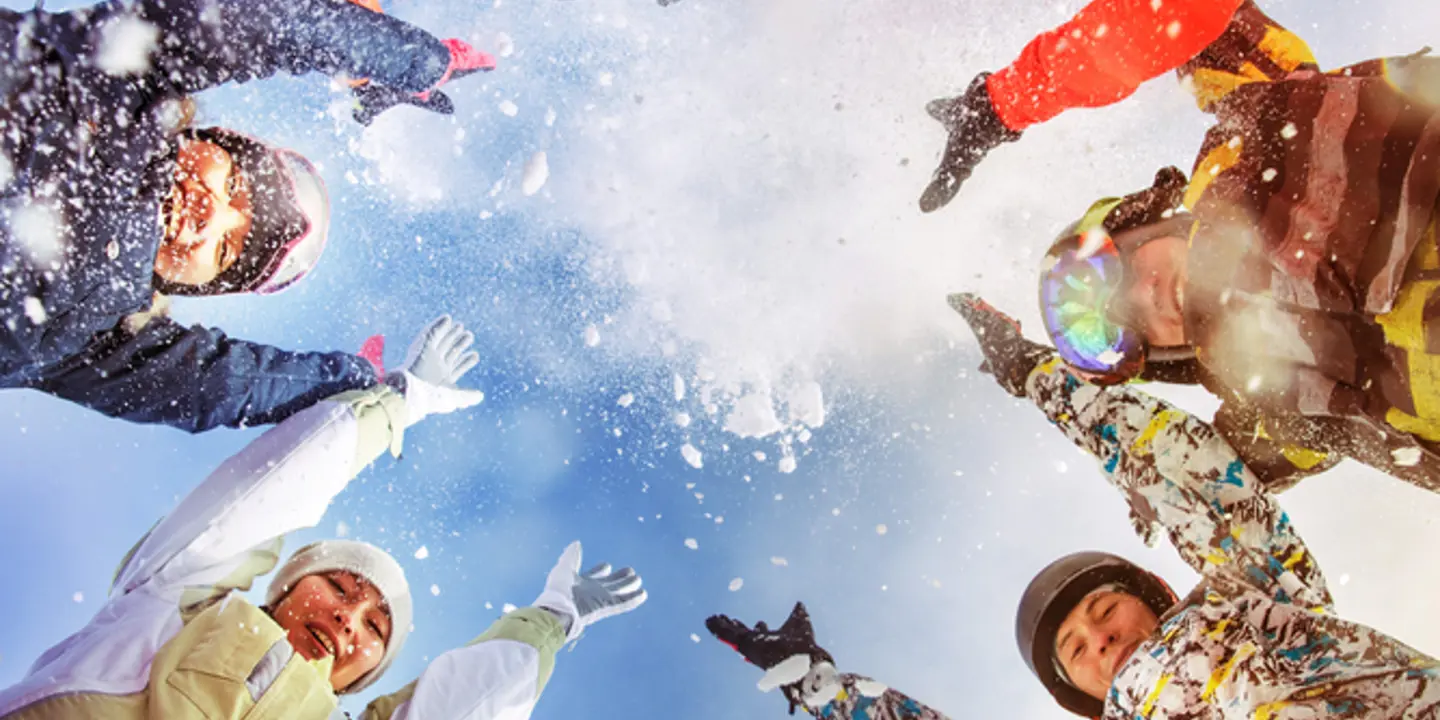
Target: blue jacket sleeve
x=197, y=379
x=204, y=43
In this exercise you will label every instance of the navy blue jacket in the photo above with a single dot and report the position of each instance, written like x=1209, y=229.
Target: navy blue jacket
x=86, y=158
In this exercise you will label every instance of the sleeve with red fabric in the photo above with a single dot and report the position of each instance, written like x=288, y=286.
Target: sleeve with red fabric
x=1103, y=54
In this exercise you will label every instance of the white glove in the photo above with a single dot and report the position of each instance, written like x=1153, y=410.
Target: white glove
x=586, y=599
x=439, y=356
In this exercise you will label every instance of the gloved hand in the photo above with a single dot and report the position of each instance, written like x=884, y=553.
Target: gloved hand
x=766, y=648
x=372, y=99
x=974, y=130
x=583, y=600
x=438, y=357
x=1008, y=355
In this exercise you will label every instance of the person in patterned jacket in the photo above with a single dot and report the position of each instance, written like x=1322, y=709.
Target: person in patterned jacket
x=1257, y=637
x=1293, y=274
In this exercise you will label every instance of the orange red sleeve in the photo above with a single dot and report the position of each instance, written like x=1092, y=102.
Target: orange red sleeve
x=1103, y=54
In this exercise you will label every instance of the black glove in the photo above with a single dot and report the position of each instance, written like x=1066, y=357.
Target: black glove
x=371, y=99
x=1008, y=355
x=766, y=648
x=974, y=130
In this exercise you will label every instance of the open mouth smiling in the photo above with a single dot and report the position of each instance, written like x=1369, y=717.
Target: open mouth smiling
x=322, y=639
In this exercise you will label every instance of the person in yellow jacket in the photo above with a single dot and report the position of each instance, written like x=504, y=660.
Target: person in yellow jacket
x=175, y=639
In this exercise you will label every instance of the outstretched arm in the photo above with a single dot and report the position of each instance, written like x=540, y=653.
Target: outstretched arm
x=806, y=673
x=285, y=479
x=1103, y=55
x=502, y=673
x=204, y=43
x=197, y=379
x=1175, y=470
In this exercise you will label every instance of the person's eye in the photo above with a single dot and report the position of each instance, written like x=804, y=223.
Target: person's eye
x=336, y=584
x=1108, y=611
x=375, y=628
x=1075, y=654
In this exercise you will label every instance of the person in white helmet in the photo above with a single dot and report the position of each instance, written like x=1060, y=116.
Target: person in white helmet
x=110, y=202
x=176, y=640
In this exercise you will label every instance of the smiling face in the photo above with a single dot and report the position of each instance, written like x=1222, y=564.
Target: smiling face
x=1155, y=293
x=340, y=615
x=1099, y=635
x=206, y=217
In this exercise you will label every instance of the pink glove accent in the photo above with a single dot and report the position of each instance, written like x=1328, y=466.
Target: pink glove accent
x=374, y=351
x=464, y=60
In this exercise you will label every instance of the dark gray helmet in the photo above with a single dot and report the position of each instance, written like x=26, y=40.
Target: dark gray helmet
x=1054, y=593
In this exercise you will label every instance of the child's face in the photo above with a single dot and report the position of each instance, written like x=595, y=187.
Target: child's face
x=340, y=615
x=1155, y=295
x=207, y=216
x=1099, y=635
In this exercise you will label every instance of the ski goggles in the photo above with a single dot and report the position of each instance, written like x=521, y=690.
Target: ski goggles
x=298, y=254
x=1082, y=301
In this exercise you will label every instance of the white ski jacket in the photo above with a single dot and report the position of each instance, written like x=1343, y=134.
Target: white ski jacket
x=174, y=639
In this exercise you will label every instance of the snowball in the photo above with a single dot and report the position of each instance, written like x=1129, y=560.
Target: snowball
x=778, y=561
x=1268, y=175
x=504, y=45
x=692, y=456
x=509, y=108
x=1345, y=579
x=1173, y=29
x=758, y=455
x=35, y=310
x=881, y=529
x=592, y=336
x=507, y=608
x=787, y=464
x=1289, y=131
x=422, y=553
x=679, y=384
x=694, y=638
x=753, y=416
x=807, y=405
x=125, y=46
x=78, y=597
x=692, y=544
x=625, y=400
x=607, y=79
x=549, y=117
x=434, y=589
x=736, y=584
x=537, y=171
x=682, y=419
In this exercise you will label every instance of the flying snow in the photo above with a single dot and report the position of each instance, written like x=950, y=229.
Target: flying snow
x=37, y=227
x=504, y=45
x=736, y=584
x=509, y=108
x=692, y=456
x=625, y=400
x=753, y=416
x=422, y=553
x=125, y=46
x=537, y=171
x=592, y=334
x=692, y=544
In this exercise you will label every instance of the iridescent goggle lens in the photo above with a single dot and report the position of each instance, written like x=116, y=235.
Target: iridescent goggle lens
x=1079, y=288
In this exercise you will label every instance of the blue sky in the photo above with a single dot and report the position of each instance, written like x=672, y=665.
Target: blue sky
x=731, y=201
